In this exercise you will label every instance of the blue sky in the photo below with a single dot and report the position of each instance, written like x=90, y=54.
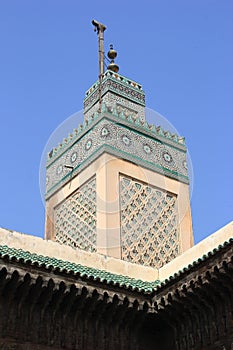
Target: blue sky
x=180, y=51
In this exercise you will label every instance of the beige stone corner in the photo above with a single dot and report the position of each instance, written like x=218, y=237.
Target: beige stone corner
x=197, y=251
x=53, y=249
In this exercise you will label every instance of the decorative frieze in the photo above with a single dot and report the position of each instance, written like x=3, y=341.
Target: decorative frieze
x=122, y=142
x=117, y=116
x=120, y=104
x=117, y=84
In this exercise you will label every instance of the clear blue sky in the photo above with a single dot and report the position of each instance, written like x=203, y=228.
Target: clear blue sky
x=180, y=51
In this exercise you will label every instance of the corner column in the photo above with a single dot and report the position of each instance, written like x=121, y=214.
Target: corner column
x=108, y=208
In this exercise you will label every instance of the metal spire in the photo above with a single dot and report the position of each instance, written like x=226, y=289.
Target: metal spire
x=100, y=28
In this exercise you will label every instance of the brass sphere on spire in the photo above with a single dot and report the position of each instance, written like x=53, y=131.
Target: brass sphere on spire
x=112, y=54
x=113, y=67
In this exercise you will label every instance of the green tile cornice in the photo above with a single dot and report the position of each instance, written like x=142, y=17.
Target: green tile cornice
x=117, y=84
x=80, y=271
x=116, y=152
x=143, y=127
x=227, y=245
x=141, y=133
x=26, y=258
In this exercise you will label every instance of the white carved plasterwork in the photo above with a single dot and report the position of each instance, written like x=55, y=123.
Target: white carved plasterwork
x=75, y=218
x=149, y=230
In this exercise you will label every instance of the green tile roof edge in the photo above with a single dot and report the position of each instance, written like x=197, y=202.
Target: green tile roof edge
x=195, y=263
x=91, y=273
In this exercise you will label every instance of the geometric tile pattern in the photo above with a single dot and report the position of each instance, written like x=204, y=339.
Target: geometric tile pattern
x=75, y=218
x=121, y=142
x=120, y=105
x=119, y=92
x=149, y=229
x=118, y=84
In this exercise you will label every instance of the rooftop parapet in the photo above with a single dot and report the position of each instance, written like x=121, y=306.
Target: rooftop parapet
x=117, y=77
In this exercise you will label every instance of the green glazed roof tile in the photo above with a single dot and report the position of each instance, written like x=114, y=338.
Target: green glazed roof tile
x=194, y=264
x=88, y=272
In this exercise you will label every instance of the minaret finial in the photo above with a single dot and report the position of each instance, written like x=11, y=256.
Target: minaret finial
x=112, y=54
x=100, y=28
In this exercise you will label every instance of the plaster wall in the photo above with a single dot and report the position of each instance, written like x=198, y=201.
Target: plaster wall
x=107, y=170
x=49, y=248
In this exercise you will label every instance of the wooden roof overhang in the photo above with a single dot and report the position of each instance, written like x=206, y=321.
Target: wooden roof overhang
x=207, y=276
x=187, y=302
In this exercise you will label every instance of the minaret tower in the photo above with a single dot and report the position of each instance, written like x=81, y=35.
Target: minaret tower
x=117, y=185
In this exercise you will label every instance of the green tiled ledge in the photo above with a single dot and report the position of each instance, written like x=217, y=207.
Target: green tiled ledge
x=195, y=263
x=26, y=257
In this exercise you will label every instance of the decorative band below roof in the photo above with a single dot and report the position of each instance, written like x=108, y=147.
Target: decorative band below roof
x=118, y=85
